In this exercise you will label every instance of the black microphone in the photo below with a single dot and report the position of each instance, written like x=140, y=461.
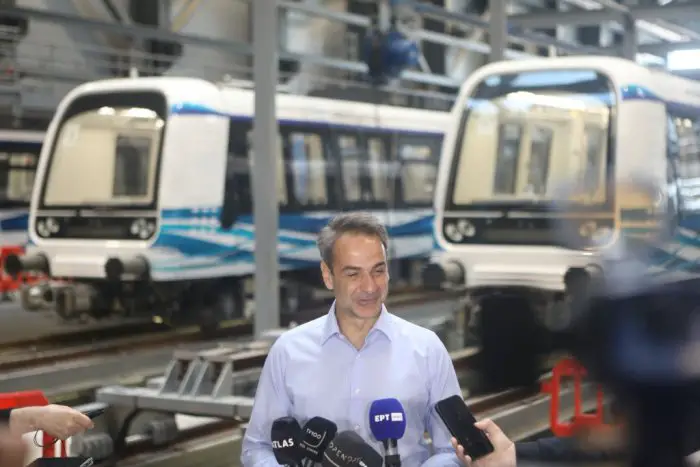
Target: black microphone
x=285, y=435
x=348, y=449
x=315, y=437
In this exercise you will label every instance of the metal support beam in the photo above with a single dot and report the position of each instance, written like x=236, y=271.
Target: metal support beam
x=264, y=161
x=663, y=49
x=629, y=39
x=228, y=46
x=661, y=29
x=540, y=39
x=421, y=34
x=498, y=30
x=671, y=12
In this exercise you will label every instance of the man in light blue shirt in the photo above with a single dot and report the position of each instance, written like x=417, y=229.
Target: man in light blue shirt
x=336, y=365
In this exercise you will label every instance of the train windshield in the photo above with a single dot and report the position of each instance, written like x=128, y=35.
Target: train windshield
x=105, y=153
x=525, y=135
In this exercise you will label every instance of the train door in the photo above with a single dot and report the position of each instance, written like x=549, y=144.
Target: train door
x=238, y=189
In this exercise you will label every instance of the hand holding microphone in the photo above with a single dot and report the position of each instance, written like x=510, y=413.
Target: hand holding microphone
x=387, y=420
x=348, y=449
x=286, y=436
x=315, y=438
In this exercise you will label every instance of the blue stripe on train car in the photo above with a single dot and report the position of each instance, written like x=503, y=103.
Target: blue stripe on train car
x=190, y=108
x=296, y=232
x=15, y=222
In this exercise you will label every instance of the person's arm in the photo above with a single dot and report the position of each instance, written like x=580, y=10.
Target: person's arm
x=271, y=402
x=443, y=384
x=552, y=449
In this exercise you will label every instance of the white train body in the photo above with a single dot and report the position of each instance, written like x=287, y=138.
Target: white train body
x=19, y=155
x=521, y=130
x=147, y=181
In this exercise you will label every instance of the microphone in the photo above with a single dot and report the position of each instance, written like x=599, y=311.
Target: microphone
x=285, y=435
x=387, y=420
x=315, y=437
x=348, y=449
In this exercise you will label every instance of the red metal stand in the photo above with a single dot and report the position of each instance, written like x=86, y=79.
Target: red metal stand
x=569, y=367
x=32, y=399
x=8, y=283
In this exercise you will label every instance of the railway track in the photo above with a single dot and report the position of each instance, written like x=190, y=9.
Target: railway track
x=139, y=447
x=131, y=337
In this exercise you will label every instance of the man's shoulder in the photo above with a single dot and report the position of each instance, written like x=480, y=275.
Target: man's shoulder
x=418, y=334
x=307, y=332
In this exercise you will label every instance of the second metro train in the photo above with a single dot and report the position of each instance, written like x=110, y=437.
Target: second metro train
x=522, y=130
x=19, y=156
x=143, y=194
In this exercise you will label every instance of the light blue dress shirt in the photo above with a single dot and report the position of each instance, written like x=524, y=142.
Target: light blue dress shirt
x=314, y=371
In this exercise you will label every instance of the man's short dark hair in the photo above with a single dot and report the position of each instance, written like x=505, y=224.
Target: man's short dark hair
x=352, y=223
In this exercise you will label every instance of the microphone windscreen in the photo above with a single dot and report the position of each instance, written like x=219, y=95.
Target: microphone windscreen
x=285, y=436
x=348, y=449
x=315, y=437
x=387, y=419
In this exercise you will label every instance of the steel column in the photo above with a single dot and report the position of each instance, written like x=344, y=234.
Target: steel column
x=264, y=166
x=498, y=30
x=629, y=39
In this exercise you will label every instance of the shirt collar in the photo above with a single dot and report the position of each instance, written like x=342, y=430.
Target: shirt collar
x=383, y=325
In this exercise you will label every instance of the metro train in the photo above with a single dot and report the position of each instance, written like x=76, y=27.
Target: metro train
x=537, y=179
x=19, y=155
x=142, y=202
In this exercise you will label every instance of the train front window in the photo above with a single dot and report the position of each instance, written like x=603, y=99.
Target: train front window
x=105, y=156
x=525, y=135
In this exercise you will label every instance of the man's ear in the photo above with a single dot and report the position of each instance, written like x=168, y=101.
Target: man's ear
x=327, y=275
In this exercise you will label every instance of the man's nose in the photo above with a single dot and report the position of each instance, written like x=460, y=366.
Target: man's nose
x=368, y=285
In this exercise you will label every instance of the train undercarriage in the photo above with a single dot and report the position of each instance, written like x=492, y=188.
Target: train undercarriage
x=512, y=323
x=207, y=303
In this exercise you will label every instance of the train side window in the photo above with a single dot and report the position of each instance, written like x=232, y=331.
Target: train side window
x=351, y=167
x=418, y=158
x=17, y=171
x=538, y=165
x=684, y=138
x=308, y=169
x=507, y=155
x=238, y=187
x=379, y=169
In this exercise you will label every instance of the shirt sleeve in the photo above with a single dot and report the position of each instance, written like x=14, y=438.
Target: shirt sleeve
x=554, y=449
x=271, y=402
x=443, y=383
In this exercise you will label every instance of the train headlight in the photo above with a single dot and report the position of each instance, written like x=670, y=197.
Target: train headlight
x=453, y=233
x=42, y=229
x=47, y=226
x=143, y=228
x=466, y=228
x=459, y=230
x=52, y=225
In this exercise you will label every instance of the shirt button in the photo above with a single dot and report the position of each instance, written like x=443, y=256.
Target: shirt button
x=357, y=427
x=357, y=391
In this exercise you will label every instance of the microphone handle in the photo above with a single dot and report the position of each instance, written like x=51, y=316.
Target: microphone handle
x=392, y=460
x=391, y=456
